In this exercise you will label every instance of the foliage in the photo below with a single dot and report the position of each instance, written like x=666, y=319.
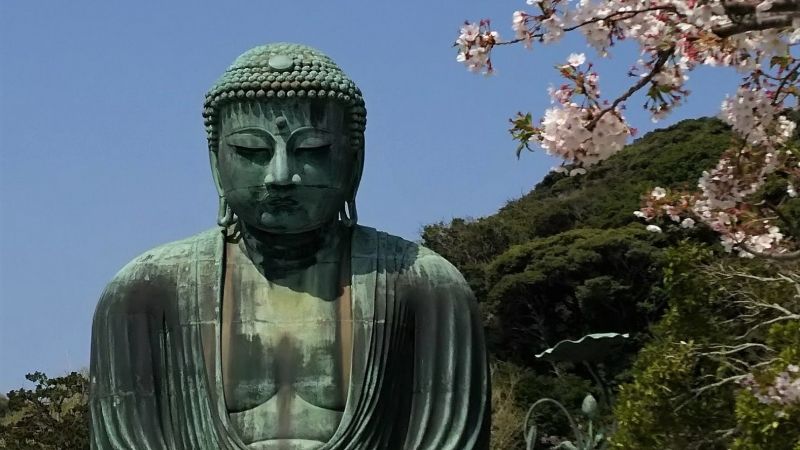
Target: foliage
x=515, y=388
x=567, y=388
x=572, y=284
x=585, y=435
x=507, y=433
x=569, y=258
x=54, y=415
x=688, y=389
x=768, y=426
x=648, y=408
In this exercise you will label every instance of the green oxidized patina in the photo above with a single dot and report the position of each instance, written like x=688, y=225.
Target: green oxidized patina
x=290, y=326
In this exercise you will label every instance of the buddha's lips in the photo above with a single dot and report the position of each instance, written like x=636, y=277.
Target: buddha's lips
x=268, y=194
x=275, y=197
x=281, y=202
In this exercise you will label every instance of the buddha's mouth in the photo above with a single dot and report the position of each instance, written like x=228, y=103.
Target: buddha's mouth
x=280, y=202
x=275, y=198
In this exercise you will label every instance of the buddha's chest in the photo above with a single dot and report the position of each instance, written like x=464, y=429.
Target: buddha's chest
x=296, y=346
x=285, y=355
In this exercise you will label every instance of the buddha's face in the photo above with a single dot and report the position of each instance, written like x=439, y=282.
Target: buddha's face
x=284, y=166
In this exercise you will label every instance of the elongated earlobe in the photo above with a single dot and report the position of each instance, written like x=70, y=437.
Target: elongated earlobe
x=225, y=216
x=348, y=214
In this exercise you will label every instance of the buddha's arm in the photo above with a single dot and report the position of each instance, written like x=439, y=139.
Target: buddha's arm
x=451, y=400
x=125, y=364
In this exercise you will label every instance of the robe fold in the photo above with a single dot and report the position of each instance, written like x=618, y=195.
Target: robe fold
x=419, y=374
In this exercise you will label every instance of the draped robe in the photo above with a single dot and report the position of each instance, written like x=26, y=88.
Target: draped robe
x=418, y=377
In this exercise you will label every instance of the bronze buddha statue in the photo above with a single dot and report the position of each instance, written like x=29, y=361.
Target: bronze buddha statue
x=289, y=326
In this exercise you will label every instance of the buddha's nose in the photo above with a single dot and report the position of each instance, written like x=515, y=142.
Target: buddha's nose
x=279, y=171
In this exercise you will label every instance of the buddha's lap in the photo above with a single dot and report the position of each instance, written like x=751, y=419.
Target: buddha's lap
x=286, y=444
x=286, y=416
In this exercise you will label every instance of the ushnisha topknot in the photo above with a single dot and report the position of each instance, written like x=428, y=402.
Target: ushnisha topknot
x=285, y=70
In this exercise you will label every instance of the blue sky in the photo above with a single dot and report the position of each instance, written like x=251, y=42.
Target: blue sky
x=103, y=154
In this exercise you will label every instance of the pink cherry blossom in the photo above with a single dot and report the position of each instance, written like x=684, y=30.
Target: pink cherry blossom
x=783, y=390
x=658, y=193
x=576, y=59
x=674, y=38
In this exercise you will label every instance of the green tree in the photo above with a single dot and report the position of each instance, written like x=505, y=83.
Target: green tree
x=53, y=415
x=572, y=284
x=731, y=324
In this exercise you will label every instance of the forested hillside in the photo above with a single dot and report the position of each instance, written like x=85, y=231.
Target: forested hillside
x=603, y=198
x=570, y=254
x=570, y=258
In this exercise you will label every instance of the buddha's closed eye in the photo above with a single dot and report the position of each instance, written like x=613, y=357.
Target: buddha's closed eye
x=313, y=148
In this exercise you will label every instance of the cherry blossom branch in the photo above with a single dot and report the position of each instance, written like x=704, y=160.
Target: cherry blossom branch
x=626, y=14
x=610, y=17
x=676, y=38
x=738, y=8
x=723, y=382
x=734, y=378
x=788, y=256
x=663, y=57
x=757, y=24
x=791, y=74
x=781, y=216
x=736, y=27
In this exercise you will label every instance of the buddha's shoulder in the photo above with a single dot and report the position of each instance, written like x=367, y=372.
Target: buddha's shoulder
x=154, y=280
x=414, y=260
x=166, y=261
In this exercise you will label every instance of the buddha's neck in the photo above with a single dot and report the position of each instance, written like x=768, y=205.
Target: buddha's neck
x=279, y=254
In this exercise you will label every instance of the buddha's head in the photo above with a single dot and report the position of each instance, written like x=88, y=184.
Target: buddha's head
x=286, y=138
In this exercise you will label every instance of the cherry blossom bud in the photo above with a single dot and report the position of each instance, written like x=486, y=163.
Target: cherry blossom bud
x=658, y=193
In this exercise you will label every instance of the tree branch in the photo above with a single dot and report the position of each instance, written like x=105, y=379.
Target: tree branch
x=788, y=256
x=754, y=24
x=719, y=383
x=769, y=322
x=663, y=57
x=738, y=348
x=738, y=8
x=609, y=17
x=782, y=85
x=627, y=14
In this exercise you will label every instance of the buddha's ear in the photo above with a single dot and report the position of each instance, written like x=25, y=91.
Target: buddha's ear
x=213, y=156
x=358, y=169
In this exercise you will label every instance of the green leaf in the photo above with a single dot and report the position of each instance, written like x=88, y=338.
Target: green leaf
x=592, y=347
